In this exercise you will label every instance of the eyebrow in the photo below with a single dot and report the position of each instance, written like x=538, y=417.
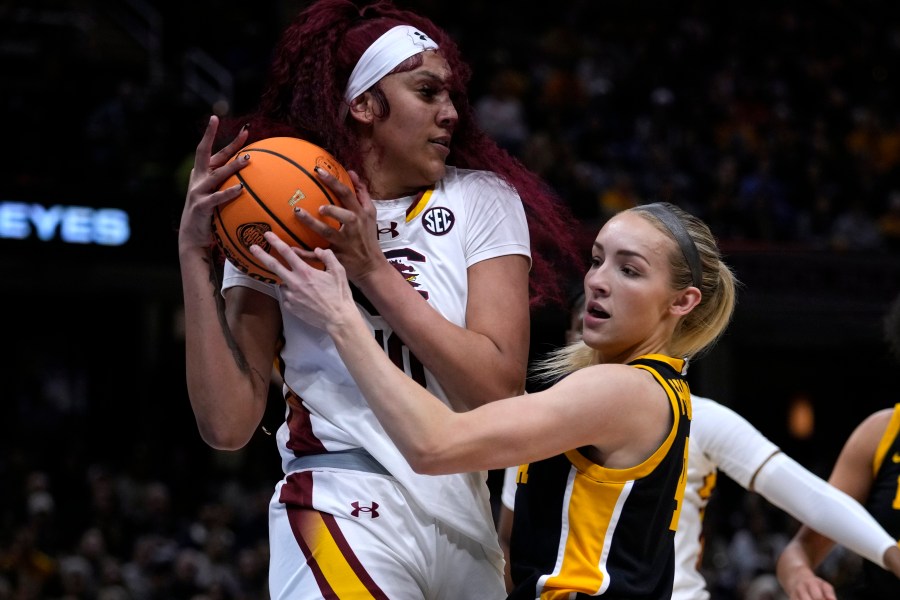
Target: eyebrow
x=626, y=253
x=429, y=74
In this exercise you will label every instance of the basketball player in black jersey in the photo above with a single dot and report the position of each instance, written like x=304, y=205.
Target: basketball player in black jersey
x=868, y=468
x=603, y=452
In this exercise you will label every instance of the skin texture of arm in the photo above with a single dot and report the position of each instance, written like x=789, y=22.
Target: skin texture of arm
x=228, y=358
x=485, y=360
x=501, y=433
x=230, y=346
x=852, y=474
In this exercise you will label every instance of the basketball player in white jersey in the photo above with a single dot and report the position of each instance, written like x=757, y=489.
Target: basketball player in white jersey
x=439, y=258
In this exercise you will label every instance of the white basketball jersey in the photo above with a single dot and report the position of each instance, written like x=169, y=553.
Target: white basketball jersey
x=720, y=440
x=432, y=239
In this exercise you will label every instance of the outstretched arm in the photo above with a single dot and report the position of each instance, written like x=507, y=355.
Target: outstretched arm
x=754, y=462
x=852, y=478
x=823, y=508
x=498, y=434
x=477, y=363
x=828, y=515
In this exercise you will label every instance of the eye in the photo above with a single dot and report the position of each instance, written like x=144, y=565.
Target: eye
x=428, y=91
x=596, y=261
x=630, y=271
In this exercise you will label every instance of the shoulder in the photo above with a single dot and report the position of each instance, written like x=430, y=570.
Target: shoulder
x=473, y=182
x=864, y=451
x=870, y=431
x=612, y=383
x=728, y=439
x=880, y=418
x=609, y=370
x=877, y=422
x=712, y=412
x=712, y=422
x=622, y=411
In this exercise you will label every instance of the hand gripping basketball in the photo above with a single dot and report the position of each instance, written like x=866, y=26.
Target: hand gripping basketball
x=279, y=179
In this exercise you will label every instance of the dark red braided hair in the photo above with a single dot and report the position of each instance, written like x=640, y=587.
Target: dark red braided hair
x=304, y=94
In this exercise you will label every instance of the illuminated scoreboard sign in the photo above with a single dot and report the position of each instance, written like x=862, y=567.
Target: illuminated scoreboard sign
x=38, y=234
x=66, y=224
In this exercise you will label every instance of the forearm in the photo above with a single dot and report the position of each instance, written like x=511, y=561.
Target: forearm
x=412, y=417
x=823, y=508
x=472, y=367
x=227, y=396
x=794, y=566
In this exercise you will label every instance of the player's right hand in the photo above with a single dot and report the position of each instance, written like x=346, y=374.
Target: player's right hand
x=210, y=171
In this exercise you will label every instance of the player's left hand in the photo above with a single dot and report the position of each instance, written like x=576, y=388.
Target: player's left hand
x=813, y=588
x=355, y=243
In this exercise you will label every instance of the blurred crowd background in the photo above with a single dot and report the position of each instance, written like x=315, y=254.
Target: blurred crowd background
x=776, y=122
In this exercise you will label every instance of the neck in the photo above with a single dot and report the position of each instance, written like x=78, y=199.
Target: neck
x=382, y=183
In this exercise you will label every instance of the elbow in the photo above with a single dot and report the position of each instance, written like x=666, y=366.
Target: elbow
x=426, y=459
x=511, y=388
x=509, y=385
x=222, y=438
x=491, y=391
x=227, y=422
x=426, y=465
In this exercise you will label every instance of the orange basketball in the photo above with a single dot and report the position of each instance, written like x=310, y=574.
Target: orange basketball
x=278, y=179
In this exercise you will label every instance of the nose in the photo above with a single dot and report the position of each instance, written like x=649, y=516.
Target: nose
x=447, y=116
x=596, y=282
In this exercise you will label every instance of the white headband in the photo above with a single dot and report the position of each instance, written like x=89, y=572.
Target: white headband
x=392, y=48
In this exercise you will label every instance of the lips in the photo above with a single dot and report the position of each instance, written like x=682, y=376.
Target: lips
x=442, y=146
x=598, y=312
x=441, y=141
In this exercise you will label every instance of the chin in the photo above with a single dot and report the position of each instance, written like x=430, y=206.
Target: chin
x=435, y=172
x=433, y=167
x=591, y=341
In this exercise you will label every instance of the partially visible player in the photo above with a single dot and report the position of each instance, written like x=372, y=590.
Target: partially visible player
x=722, y=440
x=868, y=469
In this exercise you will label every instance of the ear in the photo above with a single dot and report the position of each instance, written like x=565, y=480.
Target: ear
x=685, y=300
x=361, y=109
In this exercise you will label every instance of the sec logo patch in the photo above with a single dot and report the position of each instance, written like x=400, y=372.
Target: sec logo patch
x=438, y=220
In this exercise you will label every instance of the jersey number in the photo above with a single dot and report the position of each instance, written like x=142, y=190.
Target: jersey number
x=394, y=348
x=679, y=492
x=896, y=504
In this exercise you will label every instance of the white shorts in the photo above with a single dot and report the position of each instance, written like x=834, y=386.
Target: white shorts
x=337, y=533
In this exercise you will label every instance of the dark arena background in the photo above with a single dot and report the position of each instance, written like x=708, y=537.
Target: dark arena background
x=776, y=122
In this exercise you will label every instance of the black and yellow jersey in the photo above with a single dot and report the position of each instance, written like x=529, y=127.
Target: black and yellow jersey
x=884, y=504
x=582, y=530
